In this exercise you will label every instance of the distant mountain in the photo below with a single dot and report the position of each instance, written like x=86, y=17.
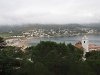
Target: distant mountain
x=94, y=26
x=26, y=27
x=33, y=26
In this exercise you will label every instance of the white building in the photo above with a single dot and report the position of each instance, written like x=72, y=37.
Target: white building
x=85, y=44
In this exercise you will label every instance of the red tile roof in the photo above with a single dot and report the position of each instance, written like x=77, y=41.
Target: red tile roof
x=91, y=46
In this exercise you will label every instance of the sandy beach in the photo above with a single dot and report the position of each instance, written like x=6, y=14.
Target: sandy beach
x=18, y=42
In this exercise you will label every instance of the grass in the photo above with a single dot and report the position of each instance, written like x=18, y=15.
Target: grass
x=5, y=34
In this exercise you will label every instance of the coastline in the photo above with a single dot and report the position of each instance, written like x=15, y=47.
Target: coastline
x=18, y=42
x=25, y=42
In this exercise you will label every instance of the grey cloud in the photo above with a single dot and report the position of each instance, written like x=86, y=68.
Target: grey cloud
x=49, y=11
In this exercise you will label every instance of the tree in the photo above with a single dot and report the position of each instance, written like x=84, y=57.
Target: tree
x=10, y=60
x=56, y=58
x=2, y=42
x=48, y=58
x=93, y=60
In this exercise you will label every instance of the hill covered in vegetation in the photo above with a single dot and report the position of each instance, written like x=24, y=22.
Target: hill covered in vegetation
x=48, y=58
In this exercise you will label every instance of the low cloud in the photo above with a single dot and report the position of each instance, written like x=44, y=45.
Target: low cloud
x=49, y=11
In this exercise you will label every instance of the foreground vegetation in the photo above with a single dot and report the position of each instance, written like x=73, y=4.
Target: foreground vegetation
x=48, y=58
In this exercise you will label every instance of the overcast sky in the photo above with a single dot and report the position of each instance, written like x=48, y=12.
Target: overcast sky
x=49, y=11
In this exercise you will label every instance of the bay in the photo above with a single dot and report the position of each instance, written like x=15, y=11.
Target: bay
x=95, y=39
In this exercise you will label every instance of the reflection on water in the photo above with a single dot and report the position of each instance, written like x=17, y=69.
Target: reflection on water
x=73, y=39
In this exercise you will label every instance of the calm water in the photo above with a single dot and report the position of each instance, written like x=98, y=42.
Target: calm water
x=73, y=39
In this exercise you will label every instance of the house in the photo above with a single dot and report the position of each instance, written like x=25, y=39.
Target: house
x=86, y=45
